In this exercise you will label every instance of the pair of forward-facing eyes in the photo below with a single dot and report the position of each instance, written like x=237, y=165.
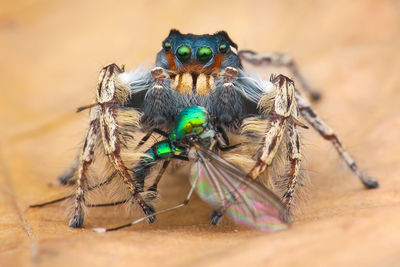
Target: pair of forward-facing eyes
x=203, y=54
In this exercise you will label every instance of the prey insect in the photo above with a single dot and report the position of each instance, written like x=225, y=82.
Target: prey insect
x=202, y=70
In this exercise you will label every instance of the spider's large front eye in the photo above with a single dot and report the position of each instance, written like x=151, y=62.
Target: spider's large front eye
x=184, y=53
x=204, y=54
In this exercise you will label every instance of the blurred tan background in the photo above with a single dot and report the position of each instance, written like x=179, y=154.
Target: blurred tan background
x=50, y=55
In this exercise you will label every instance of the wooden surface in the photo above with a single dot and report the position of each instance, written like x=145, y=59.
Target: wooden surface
x=51, y=52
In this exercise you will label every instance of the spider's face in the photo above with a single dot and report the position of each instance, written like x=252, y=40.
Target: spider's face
x=195, y=54
x=194, y=60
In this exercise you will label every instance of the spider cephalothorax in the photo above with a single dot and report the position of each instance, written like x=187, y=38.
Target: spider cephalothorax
x=196, y=54
x=201, y=70
x=190, y=69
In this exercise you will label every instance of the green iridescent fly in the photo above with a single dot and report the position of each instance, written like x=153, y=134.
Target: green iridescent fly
x=196, y=137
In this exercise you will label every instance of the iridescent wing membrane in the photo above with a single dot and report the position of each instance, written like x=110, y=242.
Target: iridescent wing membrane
x=229, y=190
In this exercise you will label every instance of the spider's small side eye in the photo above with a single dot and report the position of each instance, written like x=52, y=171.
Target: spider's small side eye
x=184, y=53
x=167, y=46
x=223, y=48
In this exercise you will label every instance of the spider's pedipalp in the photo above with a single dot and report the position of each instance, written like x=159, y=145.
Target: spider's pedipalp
x=226, y=102
x=160, y=107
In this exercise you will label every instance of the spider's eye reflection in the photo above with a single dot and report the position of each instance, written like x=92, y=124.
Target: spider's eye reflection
x=184, y=53
x=167, y=46
x=204, y=54
x=223, y=48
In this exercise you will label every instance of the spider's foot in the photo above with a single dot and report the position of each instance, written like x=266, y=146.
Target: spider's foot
x=77, y=220
x=67, y=177
x=215, y=217
x=369, y=182
x=149, y=210
x=287, y=200
x=149, y=195
x=315, y=96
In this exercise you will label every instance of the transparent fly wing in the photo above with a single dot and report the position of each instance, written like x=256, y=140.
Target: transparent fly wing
x=229, y=190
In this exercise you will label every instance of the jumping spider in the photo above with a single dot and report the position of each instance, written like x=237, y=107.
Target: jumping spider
x=200, y=70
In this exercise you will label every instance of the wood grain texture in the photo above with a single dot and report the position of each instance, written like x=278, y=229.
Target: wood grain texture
x=51, y=52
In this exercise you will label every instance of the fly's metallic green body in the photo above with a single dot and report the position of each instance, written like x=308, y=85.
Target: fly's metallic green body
x=190, y=122
x=193, y=125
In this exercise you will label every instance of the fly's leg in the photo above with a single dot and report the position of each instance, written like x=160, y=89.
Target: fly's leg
x=279, y=116
x=184, y=203
x=90, y=188
x=164, y=167
x=142, y=168
x=327, y=133
x=294, y=150
x=149, y=134
x=229, y=148
x=112, y=204
x=153, y=187
x=277, y=59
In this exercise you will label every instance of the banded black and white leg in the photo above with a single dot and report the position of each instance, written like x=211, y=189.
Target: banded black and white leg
x=278, y=118
x=104, y=125
x=85, y=159
x=294, y=156
x=278, y=59
x=308, y=113
x=282, y=121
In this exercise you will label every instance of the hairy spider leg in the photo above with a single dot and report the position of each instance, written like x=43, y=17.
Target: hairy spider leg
x=278, y=59
x=279, y=117
x=279, y=122
x=90, y=188
x=85, y=160
x=294, y=149
x=103, y=124
x=307, y=111
x=328, y=134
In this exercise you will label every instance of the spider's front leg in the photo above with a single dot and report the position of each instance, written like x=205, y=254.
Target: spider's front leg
x=280, y=121
x=103, y=124
x=294, y=155
x=278, y=118
x=277, y=59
